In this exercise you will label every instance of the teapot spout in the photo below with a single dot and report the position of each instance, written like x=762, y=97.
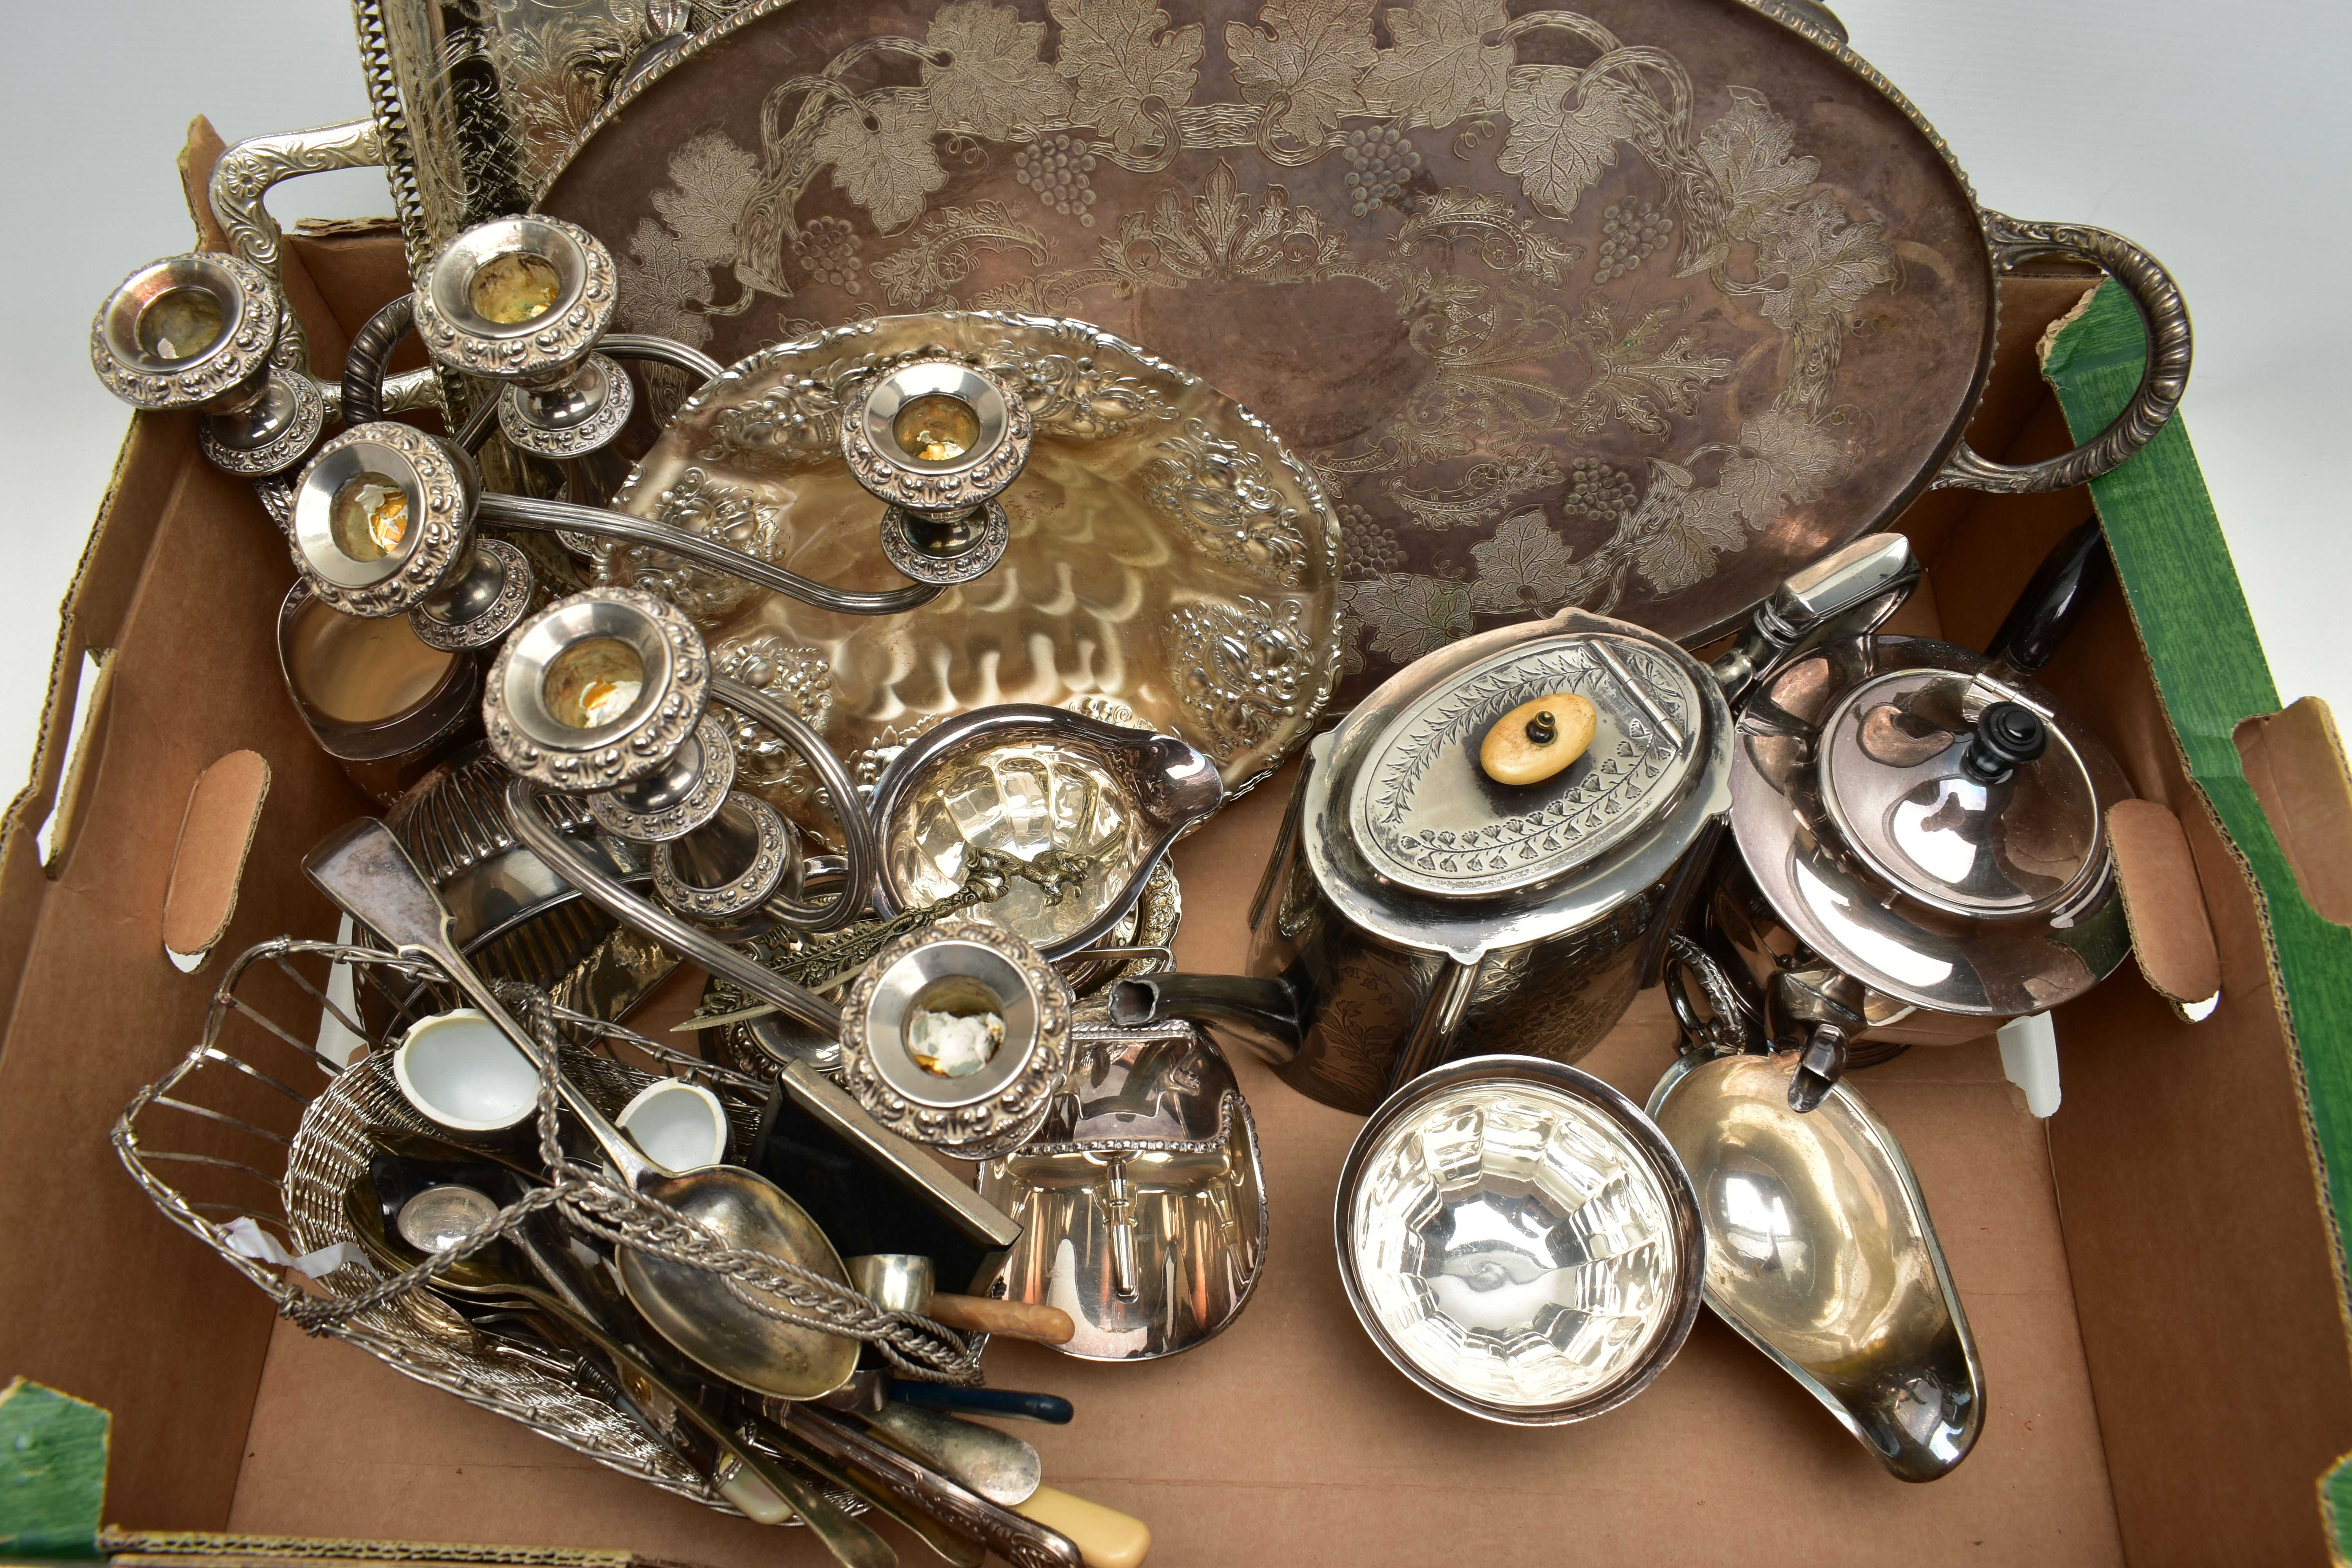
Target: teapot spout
x=1263, y=1014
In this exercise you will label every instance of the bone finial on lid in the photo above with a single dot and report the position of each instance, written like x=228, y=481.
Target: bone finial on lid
x=1536, y=739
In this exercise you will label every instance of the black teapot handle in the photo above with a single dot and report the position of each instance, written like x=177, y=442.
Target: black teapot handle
x=2064, y=585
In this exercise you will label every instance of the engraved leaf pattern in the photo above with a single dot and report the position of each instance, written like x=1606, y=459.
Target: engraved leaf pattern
x=1680, y=530
x=1829, y=264
x=1782, y=457
x=1750, y=151
x=939, y=253
x=1558, y=147
x=1442, y=69
x=881, y=154
x=1523, y=567
x=708, y=178
x=1313, y=58
x=1408, y=615
x=995, y=77
x=1121, y=55
x=1480, y=272
x=663, y=288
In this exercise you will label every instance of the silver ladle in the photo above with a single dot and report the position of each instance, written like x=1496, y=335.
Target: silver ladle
x=1820, y=1253
x=367, y=872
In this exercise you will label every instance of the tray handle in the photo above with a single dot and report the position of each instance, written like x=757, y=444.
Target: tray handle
x=2162, y=311
x=242, y=176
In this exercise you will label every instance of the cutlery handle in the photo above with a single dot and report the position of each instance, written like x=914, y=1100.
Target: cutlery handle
x=1013, y=1320
x=850, y=1540
x=1104, y=1537
x=1002, y=1404
x=1011, y=1536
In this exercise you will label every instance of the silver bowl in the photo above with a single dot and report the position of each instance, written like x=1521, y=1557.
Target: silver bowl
x=1520, y=1240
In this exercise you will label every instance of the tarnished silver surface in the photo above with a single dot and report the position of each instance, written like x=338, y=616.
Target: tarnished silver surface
x=1141, y=1197
x=375, y=696
x=480, y=106
x=1413, y=903
x=512, y=916
x=1634, y=308
x=526, y=810
x=671, y=665
x=574, y=417
x=1518, y=1240
x=997, y=1465
x=540, y=347
x=1048, y=787
x=1821, y=1252
x=955, y=481
x=485, y=605
x=1166, y=550
x=224, y=368
x=1423, y=814
x=2057, y=931
x=1359, y=982
x=2013, y=243
x=434, y=487
x=661, y=542
x=747, y=873
x=707, y=1316
x=242, y=177
x=271, y=435
x=252, y=1040
x=963, y=966
x=678, y=798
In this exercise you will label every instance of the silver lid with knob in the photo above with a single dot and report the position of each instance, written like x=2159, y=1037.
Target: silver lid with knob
x=1933, y=826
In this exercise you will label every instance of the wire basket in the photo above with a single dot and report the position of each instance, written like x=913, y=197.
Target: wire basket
x=214, y=1121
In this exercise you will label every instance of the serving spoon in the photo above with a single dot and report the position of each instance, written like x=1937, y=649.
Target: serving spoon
x=367, y=871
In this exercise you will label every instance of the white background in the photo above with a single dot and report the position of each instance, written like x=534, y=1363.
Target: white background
x=2216, y=136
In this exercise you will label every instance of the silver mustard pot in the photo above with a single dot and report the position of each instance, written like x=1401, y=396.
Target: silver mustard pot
x=1434, y=885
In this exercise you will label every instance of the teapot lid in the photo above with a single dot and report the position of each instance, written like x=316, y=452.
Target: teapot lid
x=1959, y=795
x=1931, y=825
x=1426, y=815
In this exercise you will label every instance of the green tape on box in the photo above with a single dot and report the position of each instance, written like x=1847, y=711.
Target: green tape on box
x=52, y=1474
x=2192, y=619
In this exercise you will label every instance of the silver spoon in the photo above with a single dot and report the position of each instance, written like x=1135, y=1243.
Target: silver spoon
x=364, y=870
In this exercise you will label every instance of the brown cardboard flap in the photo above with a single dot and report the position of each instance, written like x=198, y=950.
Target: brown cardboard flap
x=89, y=753
x=2172, y=936
x=216, y=835
x=2295, y=760
x=203, y=150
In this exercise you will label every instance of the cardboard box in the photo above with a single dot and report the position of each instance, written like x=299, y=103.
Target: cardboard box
x=2152, y=1277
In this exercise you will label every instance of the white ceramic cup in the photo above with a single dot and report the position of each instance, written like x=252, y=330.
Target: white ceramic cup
x=680, y=1125
x=462, y=1074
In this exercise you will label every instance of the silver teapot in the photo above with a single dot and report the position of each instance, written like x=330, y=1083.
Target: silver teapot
x=1921, y=850
x=1418, y=899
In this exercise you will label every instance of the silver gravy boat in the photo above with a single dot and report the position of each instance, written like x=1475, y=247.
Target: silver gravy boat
x=1820, y=1253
